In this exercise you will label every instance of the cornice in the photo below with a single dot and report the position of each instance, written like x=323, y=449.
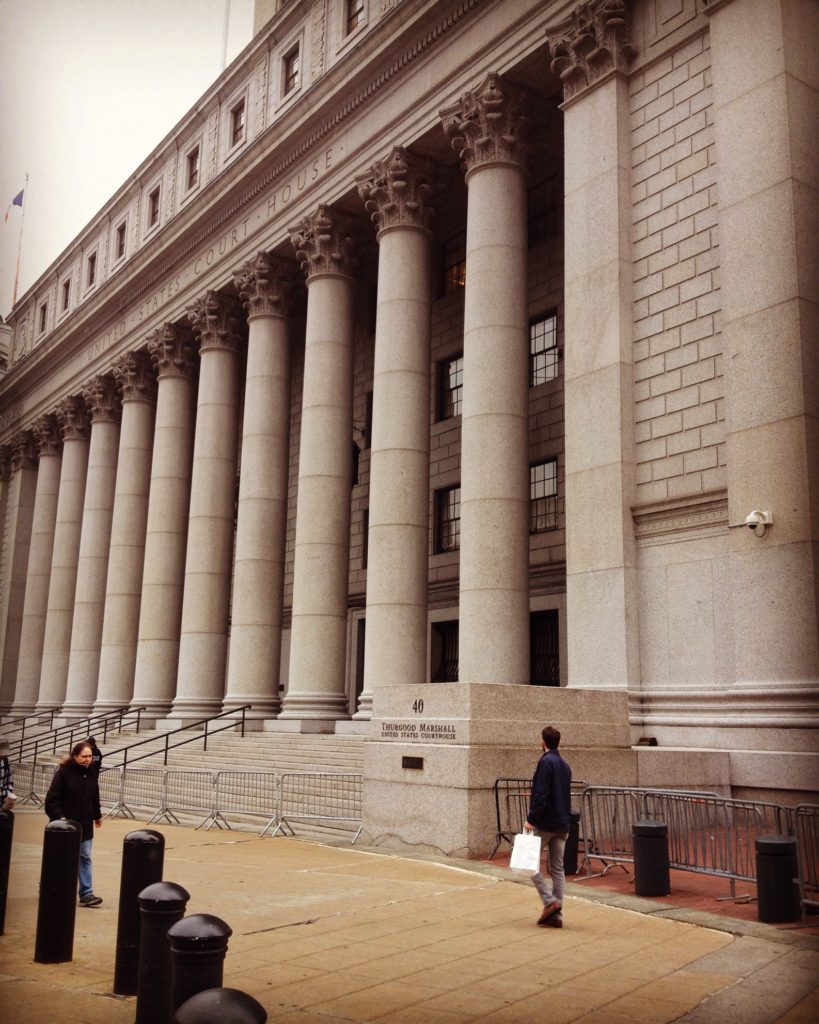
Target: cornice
x=663, y=520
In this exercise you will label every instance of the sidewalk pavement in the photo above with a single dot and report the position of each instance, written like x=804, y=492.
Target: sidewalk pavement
x=328, y=933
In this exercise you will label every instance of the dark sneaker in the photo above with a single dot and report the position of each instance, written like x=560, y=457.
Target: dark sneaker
x=90, y=900
x=555, y=921
x=549, y=912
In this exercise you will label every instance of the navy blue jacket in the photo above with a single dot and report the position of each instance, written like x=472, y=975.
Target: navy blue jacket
x=550, y=805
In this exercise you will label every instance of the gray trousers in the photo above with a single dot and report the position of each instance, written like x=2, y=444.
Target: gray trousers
x=555, y=844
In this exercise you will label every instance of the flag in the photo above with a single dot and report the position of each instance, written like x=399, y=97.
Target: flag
x=17, y=201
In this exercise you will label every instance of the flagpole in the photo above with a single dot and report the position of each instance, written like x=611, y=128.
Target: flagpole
x=20, y=244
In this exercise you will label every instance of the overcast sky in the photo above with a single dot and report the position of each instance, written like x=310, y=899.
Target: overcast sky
x=87, y=89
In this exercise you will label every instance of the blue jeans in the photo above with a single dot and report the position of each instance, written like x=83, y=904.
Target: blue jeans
x=85, y=867
x=555, y=843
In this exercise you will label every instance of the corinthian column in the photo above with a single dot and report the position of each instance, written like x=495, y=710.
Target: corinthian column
x=72, y=417
x=137, y=384
x=590, y=54
x=487, y=129
x=216, y=320
x=397, y=194
x=321, y=567
x=266, y=286
x=102, y=398
x=19, y=515
x=46, y=432
x=173, y=352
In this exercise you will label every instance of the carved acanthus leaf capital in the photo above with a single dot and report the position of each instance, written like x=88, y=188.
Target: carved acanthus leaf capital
x=594, y=43
x=47, y=434
x=101, y=396
x=23, y=451
x=325, y=243
x=488, y=125
x=266, y=286
x=400, y=190
x=216, y=319
x=72, y=415
x=173, y=351
x=135, y=377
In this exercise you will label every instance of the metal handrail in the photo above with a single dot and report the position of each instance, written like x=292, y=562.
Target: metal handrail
x=51, y=740
x=22, y=722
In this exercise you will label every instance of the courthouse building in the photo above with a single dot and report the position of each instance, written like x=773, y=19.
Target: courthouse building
x=450, y=369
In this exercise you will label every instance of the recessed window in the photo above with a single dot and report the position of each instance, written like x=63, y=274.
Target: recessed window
x=543, y=496
x=237, y=123
x=91, y=270
x=544, y=648
x=543, y=355
x=355, y=14
x=66, y=299
x=119, y=244
x=153, y=207
x=543, y=204
x=454, y=260
x=192, y=169
x=290, y=67
x=450, y=387
x=444, y=652
x=448, y=519
x=43, y=318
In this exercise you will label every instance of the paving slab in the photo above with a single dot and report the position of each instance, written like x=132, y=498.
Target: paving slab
x=329, y=933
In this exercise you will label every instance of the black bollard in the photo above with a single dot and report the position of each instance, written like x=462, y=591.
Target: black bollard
x=777, y=873
x=143, y=856
x=198, y=948
x=6, y=836
x=217, y=1005
x=570, y=852
x=59, y=876
x=652, y=876
x=161, y=905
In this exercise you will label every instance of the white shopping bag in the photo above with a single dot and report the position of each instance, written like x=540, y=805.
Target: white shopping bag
x=525, y=858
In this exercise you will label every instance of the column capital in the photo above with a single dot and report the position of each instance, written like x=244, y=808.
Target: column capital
x=592, y=44
x=102, y=399
x=5, y=463
x=325, y=243
x=488, y=124
x=173, y=350
x=72, y=415
x=216, y=320
x=266, y=286
x=23, y=451
x=399, y=191
x=135, y=377
x=46, y=430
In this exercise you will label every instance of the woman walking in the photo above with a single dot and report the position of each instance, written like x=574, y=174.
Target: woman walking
x=74, y=793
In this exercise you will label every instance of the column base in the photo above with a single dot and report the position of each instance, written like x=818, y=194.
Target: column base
x=260, y=707
x=189, y=709
x=322, y=706
x=75, y=711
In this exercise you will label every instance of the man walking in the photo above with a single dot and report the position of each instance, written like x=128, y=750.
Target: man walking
x=549, y=816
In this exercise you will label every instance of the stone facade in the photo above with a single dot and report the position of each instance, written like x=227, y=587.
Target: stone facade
x=493, y=324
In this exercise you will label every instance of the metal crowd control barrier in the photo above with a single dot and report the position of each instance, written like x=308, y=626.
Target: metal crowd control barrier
x=190, y=792
x=110, y=781
x=244, y=795
x=39, y=778
x=807, y=847
x=141, y=788
x=512, y=807
x=318, y=796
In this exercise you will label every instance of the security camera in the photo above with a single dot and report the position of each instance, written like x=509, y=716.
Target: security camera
x=758, y=521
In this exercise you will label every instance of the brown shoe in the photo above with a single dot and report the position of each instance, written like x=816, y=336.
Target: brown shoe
x=548, y=912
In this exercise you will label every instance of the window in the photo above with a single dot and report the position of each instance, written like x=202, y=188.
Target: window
x=355, y=14
x=368, y=420
x=455, y=263
x=543, y=354
x=119, y=245
x=444, y=652
x=450, y=387
x=448, y=519
x=91, y=270
x=153, y=207
x=543, y=496
x=544, y=648
x=543, y=206
x=192, y=172
x=66, y=294
x=237, y=124
x=291, y=71
x=43, y=319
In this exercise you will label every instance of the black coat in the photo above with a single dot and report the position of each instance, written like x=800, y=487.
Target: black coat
x=74, y=793
x=550, y=807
